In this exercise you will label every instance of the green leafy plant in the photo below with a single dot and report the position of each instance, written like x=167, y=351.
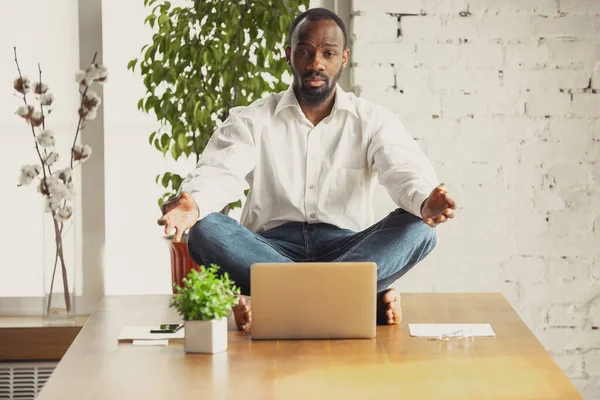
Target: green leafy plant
x=205, y=295
x=205, y=58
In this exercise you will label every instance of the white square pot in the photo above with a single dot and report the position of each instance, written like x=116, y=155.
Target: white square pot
x=205, y=336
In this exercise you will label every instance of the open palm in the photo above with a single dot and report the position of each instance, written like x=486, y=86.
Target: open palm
x=438, y=207
x=180, y=213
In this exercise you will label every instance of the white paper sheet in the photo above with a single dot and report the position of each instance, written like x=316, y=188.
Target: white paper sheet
x=150, y=342
x=130, y=333
x=436, y=330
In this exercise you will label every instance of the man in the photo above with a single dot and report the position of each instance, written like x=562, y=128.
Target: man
x=311, y=156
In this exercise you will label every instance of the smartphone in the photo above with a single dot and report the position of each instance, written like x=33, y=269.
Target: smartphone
x=167, y=328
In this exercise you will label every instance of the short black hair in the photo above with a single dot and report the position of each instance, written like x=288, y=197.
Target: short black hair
x=318, y=14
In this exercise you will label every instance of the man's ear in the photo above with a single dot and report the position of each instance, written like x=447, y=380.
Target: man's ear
x=288, y=55
x=346, y=57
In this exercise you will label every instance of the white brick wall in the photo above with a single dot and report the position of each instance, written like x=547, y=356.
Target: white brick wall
x=498, y=94
x=566, y=26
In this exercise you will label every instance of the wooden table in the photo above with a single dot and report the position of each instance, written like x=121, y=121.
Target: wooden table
x=512, y=365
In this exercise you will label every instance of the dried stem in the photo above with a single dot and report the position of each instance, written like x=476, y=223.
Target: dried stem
x=32, y=128
x=57, y=230
x=52, y=282
x=80, y=117
x=62, y=264
x=43, y=117
x=41, y=105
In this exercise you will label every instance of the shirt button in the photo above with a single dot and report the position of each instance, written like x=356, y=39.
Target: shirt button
x=312, y=216
x=311, y=187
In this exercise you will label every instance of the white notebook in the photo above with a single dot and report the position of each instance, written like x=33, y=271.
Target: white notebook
x=131, y=333
x=435, y=330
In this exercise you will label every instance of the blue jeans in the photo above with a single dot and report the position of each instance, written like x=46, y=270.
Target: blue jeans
x=395, y=244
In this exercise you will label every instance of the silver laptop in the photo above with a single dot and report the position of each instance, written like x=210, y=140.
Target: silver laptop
x=313, y=300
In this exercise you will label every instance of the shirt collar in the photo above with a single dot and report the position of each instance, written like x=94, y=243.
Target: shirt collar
x=342, y=101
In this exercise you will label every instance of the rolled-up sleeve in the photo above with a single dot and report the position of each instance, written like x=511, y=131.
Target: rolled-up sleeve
x=220, y=175
x=402, y=166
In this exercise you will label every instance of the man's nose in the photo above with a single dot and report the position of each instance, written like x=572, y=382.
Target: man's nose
x=316, y=63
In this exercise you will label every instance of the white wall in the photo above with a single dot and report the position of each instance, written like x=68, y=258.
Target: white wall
x=137, y=260
x=137, y=257
x=497, y=97
x=47, y=33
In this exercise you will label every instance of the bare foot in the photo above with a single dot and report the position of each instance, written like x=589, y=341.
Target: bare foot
x=388, y=308
x=241, y=313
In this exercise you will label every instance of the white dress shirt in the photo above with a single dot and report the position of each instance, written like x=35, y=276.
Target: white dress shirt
x=301, y=172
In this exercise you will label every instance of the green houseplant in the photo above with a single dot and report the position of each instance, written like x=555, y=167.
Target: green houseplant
x=204, y=301
x=204, y=58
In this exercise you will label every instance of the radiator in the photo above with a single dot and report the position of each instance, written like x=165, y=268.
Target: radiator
x=23, y=380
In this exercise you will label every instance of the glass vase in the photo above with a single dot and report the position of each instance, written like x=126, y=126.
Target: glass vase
x=59, y=263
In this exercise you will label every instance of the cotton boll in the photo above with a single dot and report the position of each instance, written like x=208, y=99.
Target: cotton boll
x=40, y=88
x=29, y=173
x=37, y=118
x=24, y=180
x=46, y=184
x=47, y=99
x=90, y=115
x=82, y=78
x=91, y=100
x=102, y=70
x=51, y=158
x=59, y=190
x=63, y=214
x=87, y=151
x=22, y=85
x=25, y=111
x=65, y=174
x=102, y=74
x=92, y=72
x=52, y=204
x=46, y=138
x=81, y=152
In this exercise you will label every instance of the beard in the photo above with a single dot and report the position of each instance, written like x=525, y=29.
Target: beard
x=314, y=96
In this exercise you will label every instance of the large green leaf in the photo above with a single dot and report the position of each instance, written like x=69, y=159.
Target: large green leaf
x=163, y=19
x=182, y=142
x=164, y=143
x=131, y=64
x=175, y=152
x=166, y=179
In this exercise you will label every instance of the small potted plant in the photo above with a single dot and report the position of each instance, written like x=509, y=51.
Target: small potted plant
x=204, y=301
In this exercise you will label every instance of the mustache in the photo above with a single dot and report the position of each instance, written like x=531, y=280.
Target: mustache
x=314, y=75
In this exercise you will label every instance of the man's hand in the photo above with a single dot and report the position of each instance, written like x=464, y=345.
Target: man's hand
x=438, y=207
x=180, y=213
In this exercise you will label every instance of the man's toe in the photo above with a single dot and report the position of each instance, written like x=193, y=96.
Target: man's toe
x=241, y=313
x=392, y=299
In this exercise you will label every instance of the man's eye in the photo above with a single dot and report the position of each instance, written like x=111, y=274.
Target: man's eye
x=301, y=52
x=329, y=54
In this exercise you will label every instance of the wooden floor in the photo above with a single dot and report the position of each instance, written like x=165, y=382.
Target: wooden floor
x=512, y=365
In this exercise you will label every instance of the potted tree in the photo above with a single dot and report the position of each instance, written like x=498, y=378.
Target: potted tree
x=206, y=57
x=204, y=301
